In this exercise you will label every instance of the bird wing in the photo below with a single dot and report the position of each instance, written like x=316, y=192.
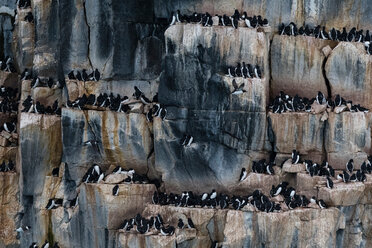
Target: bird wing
x=235, y=85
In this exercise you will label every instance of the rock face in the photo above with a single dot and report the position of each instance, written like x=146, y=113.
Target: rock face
x=309, y=57
x=121, y=140
x=131, y=43
x=10, y=206
x=349, y=70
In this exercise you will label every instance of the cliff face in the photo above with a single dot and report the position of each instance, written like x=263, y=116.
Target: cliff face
x=186, y=64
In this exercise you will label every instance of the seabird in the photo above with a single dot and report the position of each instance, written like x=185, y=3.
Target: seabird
x=190, y=223
x=322, y=204
x=320, y=98
x=243, y=174
x=9, y=127
x=55, y=172
x=174, y=19
x=117, y=170
x=167, y=231
x=237, y=89
x=180, y=224
x=144, y=99
x=350, y=166
x=257, y=72
x=115, y=190
x=23, y=229
x=137, y=93
x=54, y=203
x=329, y=183
x=45, y=245
x=33, y=245
x=295, y=157
x=84, y=75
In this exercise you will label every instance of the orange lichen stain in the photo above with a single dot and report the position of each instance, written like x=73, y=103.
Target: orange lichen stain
x=105, y=135
x=52, y=127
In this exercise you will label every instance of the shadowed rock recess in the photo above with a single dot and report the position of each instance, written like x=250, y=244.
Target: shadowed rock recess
x=132, y=44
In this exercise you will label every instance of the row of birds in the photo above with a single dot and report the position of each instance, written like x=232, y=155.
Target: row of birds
x=120, y=104
x=30, y=107
x=95, y=75
x=155, y=223
x=315, y=169
x=353, y=35
x=8, y=99
x=285, y=103
x=223, y=20
x=324, y=169
x=244, y=70
x=6, y=167
x=257, y=199
x=54, y=203
x=96, y=175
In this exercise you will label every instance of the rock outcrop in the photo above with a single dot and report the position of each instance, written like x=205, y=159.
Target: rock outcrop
x=131, y=44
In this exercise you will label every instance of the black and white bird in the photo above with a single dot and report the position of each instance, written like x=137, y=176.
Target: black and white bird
x=350, y=166
x=173, y=19
x=237, y=89
x=180, y=224
x=187, y=140
x=23, y=229
x=54, y=203
x=243, y=174
x=295, y=157
x=322, y=204
x=115, y=190
x=320, y=98
x=190, y=223
x=45, y=245
x=167, y=231
x=9, y=127
x=329, y=183
x=34, y=245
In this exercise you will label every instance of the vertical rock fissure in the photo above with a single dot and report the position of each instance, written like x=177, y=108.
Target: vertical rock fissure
x=328, y=85
x=86, y=21
x=324, y=134
x=269, y=127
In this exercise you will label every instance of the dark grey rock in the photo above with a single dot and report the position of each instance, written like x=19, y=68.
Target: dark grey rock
x=122, y=139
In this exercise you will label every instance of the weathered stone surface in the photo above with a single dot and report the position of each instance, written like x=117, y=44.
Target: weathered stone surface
x=204, y=52
x=307, y=184
x=8, y=79
x=293, y=54
x=115, y=178
x=343, y=194
x=40, y=150
x=293, y=168
x=348, y=136
x=23, y=40
x=47, y=96
x=123, y=139
x=296, y=228
x=253, y=100
x=300, y=131
x=349, y=71
x=187, y=167
x=255, y=181
x=10, y=205
x=122, y=41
